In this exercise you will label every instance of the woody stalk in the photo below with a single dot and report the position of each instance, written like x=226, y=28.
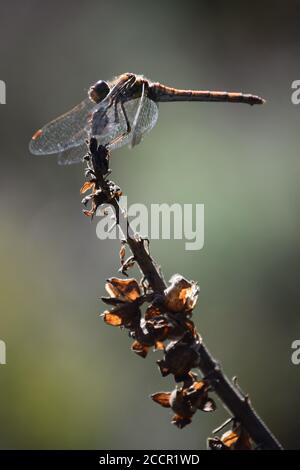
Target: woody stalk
x=167, y=326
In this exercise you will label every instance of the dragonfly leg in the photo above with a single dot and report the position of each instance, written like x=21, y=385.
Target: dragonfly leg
x=128, y=126
x=117, y=120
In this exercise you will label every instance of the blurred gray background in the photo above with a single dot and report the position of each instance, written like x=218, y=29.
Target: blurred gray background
x=71, y=381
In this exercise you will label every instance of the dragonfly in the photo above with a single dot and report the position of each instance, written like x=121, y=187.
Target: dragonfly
x=117, y=112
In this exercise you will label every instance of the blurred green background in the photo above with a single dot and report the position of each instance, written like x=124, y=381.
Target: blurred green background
x=71, y=381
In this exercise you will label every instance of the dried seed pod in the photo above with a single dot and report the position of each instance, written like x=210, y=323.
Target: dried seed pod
x=127, y=315
x=181, y=295
x=127, y=289
x=180, y=358
x=235, y=439
x=185, y=402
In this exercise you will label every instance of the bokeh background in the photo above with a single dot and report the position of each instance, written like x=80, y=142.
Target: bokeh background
x=71, y=381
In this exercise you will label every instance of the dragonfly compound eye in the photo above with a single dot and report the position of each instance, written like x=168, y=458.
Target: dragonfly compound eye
x=99, y=91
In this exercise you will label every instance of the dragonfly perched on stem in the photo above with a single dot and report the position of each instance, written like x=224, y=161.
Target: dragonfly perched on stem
x=117, y=113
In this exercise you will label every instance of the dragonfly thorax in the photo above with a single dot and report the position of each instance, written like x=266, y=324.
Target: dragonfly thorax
x=99, y=91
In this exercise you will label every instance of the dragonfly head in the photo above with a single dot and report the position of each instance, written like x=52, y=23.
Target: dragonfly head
x=99, y=91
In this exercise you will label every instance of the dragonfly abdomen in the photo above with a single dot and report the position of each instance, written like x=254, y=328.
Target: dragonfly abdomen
x=159, y=92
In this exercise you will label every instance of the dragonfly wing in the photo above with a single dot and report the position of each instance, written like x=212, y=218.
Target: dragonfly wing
x=145, y=120
x=72, y=155
x=110, y=123
x=135, y=135
x=67, y=131
x=107, y=122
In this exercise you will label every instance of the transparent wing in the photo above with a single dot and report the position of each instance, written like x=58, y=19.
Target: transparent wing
x=67, y=131
x=72, y=155
x=136, y=137
x=110, y=122
x=147, y=119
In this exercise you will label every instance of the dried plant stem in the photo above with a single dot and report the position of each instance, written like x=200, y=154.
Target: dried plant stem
x=233, y=399
x=146, y=264
x=230, y=394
